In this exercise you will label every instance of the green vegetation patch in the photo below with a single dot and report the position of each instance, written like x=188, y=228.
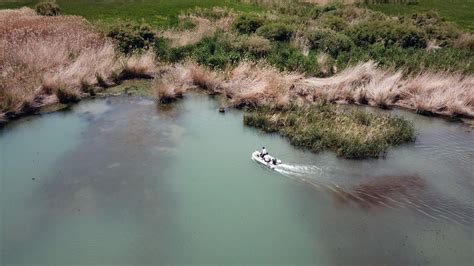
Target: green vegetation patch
x=132, y=87
x=158, y=13
x=351, y=134
x=48, y=8
x=458, y=11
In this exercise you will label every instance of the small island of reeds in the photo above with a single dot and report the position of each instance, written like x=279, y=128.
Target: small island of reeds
x=351, y=134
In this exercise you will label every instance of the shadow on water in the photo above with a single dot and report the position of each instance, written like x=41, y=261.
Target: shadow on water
x=395, y=192
x=114, y=173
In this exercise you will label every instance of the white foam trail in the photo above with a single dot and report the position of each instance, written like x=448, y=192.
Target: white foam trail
x=298, y=170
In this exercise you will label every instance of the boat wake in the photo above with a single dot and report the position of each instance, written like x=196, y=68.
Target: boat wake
x=394, y=192
x=297, y=170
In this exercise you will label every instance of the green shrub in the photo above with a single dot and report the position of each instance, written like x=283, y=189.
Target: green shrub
x=406, y=36
x=248, y=23
x=161, y=48
x=48, y=8
x=214, y=53
x=275, y=32
x=329, y=41
x=252, y=44
x=287, y=58
x=131, y=36
x=443, y=32
x=387, y=33
x=334, y=23
x=177, y=54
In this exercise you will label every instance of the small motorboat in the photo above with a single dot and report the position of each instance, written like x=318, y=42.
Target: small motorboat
x=272, y=163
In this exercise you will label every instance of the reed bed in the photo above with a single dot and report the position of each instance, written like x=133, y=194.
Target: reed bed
x=352, y=135
x=256, y=84
x=429, y=93
x=48, y=59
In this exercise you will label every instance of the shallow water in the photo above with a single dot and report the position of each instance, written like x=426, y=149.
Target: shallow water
x=121, y=181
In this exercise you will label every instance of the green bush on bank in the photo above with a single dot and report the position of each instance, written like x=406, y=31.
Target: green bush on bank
x=223, y=49
x=132, y=36
x=253, y=45
x=275, y=32
x=248, y=23
x=444, y=33
x=334, y=23
x=351, y=134
x=329, y=41
x=48, y=8
x=388, y=33
x=397, y=43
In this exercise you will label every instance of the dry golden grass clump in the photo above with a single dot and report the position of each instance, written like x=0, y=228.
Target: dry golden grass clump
x=255, y=84
x=429, y=93
x=248, y=84
x=138, y=66
x=43, y=57
x=179, y=78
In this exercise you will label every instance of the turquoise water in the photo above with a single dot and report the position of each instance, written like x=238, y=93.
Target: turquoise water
x=122, y=181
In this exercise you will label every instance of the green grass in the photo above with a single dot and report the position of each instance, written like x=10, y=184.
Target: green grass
x=459, y=11
x=158, y=13
x=351, y=134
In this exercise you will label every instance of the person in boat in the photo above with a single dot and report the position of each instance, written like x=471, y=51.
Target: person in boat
x=274, y=161
x=266, y=158
x=263, y=152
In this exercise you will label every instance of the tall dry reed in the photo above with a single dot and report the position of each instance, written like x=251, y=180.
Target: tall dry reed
x=43, y=57
x=251, y=84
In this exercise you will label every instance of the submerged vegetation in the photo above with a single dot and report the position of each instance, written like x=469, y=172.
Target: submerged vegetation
x=351, y=134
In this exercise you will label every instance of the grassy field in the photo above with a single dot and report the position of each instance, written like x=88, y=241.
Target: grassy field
x=156, y=12
x=459, y=11
x=164, y=12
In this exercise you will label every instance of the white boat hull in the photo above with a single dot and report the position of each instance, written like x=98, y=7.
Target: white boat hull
x=256, y=157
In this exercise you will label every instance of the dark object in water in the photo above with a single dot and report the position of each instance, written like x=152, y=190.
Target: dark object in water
x=221, y=110
x=171, y=98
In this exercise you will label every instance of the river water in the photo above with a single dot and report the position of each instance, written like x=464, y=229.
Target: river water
x=122, y=181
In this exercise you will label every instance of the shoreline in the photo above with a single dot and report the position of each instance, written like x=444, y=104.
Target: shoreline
x=136, y=91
